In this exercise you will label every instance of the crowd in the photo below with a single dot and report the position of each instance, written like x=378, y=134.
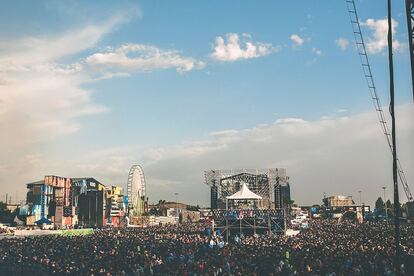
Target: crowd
x=325, y=248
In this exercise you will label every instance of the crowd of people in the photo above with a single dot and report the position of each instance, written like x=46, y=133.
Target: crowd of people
x=325, y=248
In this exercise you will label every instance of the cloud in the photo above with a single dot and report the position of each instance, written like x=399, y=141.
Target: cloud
x=109, y=75
x=139, y=57
x=297, y=40
x=21, y=54
x=317, y=52
x=38, y=93
x=343, y=43
x=377, y=43
x=320, y=156
x=337, y=155
x=42, y=99
x=227, y=132
x=237, y=49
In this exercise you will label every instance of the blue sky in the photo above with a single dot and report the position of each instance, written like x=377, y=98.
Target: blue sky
x=159, y=105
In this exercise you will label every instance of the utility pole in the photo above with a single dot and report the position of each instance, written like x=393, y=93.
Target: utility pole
x=385, y=204
x=394, y=148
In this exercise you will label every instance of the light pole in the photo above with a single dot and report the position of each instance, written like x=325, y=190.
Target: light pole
x=385, y=204
x=397, y=263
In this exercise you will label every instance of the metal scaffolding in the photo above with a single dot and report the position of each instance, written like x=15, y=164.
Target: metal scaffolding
x=249, y=222
x=262, y=182
x=360, y=45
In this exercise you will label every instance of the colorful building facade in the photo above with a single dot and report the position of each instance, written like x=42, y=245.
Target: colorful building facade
x=72, y=202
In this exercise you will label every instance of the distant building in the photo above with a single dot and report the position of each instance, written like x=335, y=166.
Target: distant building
x=338, y=201
x=175, y=205
x=115, y=205
x=184, y=215
x=163, y=206
x=72, y=201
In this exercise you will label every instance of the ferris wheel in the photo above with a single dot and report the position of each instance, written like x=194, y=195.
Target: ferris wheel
x=135, y=186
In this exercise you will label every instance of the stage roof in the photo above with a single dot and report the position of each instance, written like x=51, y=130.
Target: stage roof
x=244, y=193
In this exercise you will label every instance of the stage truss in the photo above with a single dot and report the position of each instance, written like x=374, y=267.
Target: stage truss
x=262, y=182
x=247, y=222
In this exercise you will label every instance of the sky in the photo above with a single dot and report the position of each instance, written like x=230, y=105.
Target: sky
x=89, y=88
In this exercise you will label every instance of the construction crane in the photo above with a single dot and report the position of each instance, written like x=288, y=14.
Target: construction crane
x=366, y=67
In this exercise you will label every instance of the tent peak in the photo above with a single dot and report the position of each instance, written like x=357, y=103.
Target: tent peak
x=244, y=193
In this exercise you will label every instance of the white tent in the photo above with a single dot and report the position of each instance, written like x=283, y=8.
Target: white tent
x=243, y=194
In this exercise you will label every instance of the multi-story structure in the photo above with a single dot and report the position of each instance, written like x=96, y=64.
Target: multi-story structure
x=115, y=205
x=338, y=201
x=89, y=195
x=48, y=198
x=71, y=201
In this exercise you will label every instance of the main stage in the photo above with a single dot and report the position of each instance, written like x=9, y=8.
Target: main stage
x=248, y=222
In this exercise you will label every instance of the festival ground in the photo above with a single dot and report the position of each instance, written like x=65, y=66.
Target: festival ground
x=325, y=248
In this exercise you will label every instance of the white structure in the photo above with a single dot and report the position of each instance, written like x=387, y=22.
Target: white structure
x=243, y=194
x=136, y=190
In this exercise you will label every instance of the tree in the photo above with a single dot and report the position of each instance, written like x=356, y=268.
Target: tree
x=153, y=211
x=379, y=204
x=389, y=204
x=5, y=215
x=390, y=209
x=193, y=208
x=162, y=210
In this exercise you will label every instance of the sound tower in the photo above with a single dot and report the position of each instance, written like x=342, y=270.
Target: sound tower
x=214, y=197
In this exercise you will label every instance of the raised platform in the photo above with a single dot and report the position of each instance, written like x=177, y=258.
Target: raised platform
x=258, y=214
x=249, y=222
